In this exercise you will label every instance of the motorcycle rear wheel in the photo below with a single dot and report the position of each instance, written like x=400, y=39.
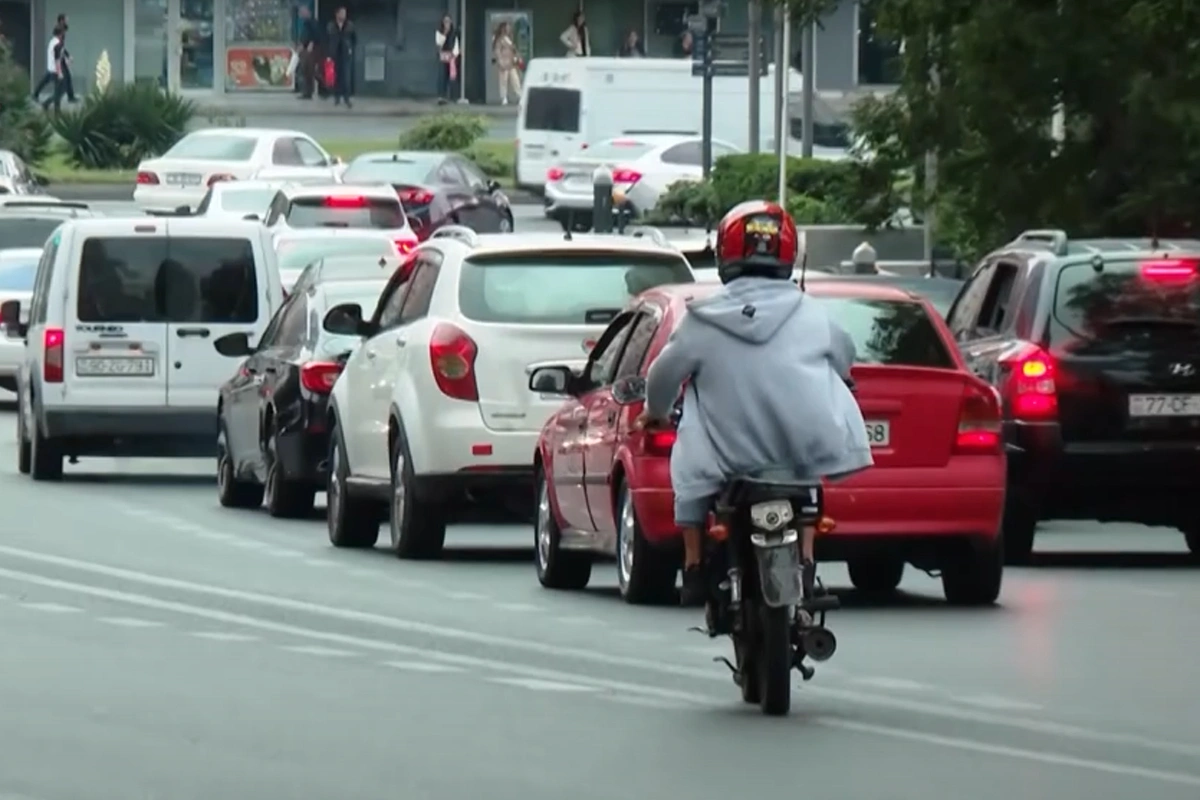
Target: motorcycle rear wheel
x=774, y=661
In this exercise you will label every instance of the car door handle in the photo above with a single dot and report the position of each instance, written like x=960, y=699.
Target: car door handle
x=401, y=343
x=184, y=333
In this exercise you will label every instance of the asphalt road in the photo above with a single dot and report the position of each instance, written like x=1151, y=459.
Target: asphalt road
x=159, y=646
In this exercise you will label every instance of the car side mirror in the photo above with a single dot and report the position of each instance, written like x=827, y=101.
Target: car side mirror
x=552, y=380
x=493, y=186
x=234, y=345
x=345, y=320
x=251, y=218
x=630, y=390
x=10, y=318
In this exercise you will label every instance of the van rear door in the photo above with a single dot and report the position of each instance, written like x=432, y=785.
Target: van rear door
x=549, y=132
x=215, y=279
x=115, y=342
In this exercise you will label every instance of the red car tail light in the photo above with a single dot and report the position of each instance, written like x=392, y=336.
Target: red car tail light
x=979, y=430
x=320, y=376
x=555, y=174
x=53, y=346
x=1177, y=269
x=1029, y=386
x=405, y=246
x=345, y=202
x=659, y=442
x=452, y=354
x=411, y=196
x=147, y=179
x=221, y=178
x=626, y=175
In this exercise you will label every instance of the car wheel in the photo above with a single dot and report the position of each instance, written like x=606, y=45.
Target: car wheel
x=974, y=578
x=645, y=574
x=556, y=568
x=352, y=521
x=418, y=529
x=231, y=491
x=878, y=575
x=24, y=456
x=45, y=456
x=286, y=499
x=506, y=223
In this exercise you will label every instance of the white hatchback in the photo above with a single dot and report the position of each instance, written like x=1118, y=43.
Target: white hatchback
x=341, y=207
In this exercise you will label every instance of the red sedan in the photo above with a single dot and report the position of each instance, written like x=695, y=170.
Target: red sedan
x=933, y=499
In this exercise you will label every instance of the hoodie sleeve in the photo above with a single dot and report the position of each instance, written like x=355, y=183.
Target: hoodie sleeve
x=678, y=361
x=843, y=351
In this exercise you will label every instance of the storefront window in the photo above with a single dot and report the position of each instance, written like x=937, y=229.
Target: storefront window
x=259, y=36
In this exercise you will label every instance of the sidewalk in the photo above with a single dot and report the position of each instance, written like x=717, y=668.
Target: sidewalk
x=287, y=104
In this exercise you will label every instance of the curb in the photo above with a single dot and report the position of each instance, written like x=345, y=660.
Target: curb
x=116, y=193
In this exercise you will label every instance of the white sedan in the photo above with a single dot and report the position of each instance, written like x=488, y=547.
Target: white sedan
x=180, y=177
x=238, y=199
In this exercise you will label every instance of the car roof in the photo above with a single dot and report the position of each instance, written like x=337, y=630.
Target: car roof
x=48, y=213
x=832, y=287
x=182, y=226
x=20, y=253
x=1057, y=244
x=340, y=190
x=415, y=156
x=339, y=233
x=227, y=186
x=248, y=132
x=365, y=267
x=498, y=243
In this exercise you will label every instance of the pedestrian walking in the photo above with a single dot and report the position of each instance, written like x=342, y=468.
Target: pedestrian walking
x=341, y=41
x=51, y=76
x=507, y=61
x=60, y=74
x=446, y=39
x=575, y=38
x=68, y=79
x=307, y=50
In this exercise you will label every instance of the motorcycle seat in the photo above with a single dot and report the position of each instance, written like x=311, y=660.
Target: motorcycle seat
x=770, y=484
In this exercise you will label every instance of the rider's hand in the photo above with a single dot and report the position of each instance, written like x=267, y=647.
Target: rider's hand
x=646, y=422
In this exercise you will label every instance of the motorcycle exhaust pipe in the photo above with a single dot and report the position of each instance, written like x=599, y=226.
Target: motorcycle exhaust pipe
x=819, y=644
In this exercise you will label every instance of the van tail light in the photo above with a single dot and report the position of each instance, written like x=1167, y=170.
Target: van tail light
x=626, y=175
x=452, y=355
x=1029, y=387
x=659, y=442
x=555, y=174
x=147, y=179
x=53, y=347
x=320, y=376
x=221, y=178
x=412, y=196
x=978, y=421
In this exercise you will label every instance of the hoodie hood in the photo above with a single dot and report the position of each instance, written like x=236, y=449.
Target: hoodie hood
x=752, y=309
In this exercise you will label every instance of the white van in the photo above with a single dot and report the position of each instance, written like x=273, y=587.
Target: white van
x=567, y=103
x=119, y=357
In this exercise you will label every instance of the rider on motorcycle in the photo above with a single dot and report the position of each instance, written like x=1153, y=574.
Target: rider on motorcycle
x=767, y=375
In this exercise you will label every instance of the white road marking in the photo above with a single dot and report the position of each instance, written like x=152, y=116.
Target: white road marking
x=538, y=685
x=578, y=620
x=995, y=703
x=52, y=608
x=211, y=536
x=285, y=553
x=421, y=666
x=465, y=595
x=891, y=684
x=519, y=607
x=646, y=702
x=131, y=622
x=222, y=636
x=641, y=636
x=319, y=562
x=607, y=660
x=318, y=650
x=248, y=544
x=1054, y=759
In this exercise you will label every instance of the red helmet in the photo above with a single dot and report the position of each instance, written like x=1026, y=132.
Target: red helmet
x=757, y=238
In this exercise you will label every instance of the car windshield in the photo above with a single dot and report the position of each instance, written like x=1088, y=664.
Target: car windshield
x=406, y=171
x=214, y=147
x=17, y=231
x=296, y=254
x=1128, y=300
x=890, y=332
x=17, y=275
x=248, y=201
x=380, y=213
x=561, y=288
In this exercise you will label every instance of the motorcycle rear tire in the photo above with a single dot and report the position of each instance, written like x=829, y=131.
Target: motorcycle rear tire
x=775, y=661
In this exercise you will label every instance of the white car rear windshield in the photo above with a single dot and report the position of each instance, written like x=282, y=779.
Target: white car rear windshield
x=567, y=288
x=379, y=213
x=176, y=279
x=213, y=147
x=249, y=201
x=889, y=332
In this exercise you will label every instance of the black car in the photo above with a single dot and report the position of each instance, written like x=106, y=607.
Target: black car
x=1094, y=347
x=272, y=438
x=346, y=268
x=437, y=189
x=29, y=223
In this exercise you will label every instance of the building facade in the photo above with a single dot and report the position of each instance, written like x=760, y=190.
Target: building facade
x=203, y=47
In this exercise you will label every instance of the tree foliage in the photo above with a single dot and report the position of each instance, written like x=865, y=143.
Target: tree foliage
x=1123, y=73
x=23, y=128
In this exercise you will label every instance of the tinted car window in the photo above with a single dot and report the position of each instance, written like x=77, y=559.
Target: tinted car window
x=549, y=109
x=18, y=276
x=320, y=212
x=299, y=253
x=1125, y=301
x=890, y=332
x=560, y=288
x=214, y=147
x=25, y=231
x=399, y=171
x=126, y=279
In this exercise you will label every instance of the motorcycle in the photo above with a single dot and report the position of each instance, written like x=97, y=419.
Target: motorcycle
x=763, y=587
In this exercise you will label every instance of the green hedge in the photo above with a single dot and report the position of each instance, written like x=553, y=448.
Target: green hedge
x=123, y=125
x=819, y=192
x=23, y=127
x=463, y=133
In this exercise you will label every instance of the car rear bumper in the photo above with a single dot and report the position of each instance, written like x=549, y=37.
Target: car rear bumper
x=165, y=199
x=303, y=442
x=151, y=432
x=655, y=509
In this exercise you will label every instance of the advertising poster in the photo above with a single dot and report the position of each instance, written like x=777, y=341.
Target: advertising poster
x=521, y=24
x=258, y=66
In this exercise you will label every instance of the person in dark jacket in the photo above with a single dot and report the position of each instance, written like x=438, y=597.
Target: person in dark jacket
x=310, y=37
x=341, y=40
x=446, y=39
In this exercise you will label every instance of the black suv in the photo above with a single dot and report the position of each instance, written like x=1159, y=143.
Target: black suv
x=1094, y=347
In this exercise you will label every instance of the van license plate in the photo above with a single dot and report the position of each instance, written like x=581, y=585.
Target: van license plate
x=94, y=367
x=879, y=434
x=1164, y=405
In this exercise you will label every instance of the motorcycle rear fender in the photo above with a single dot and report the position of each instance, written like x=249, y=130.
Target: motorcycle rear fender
x=779, y=573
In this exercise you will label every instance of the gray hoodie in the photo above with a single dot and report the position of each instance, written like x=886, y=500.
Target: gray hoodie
x=767, y=369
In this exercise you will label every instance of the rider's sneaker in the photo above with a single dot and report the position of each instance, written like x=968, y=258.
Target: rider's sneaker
x=694, y=593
